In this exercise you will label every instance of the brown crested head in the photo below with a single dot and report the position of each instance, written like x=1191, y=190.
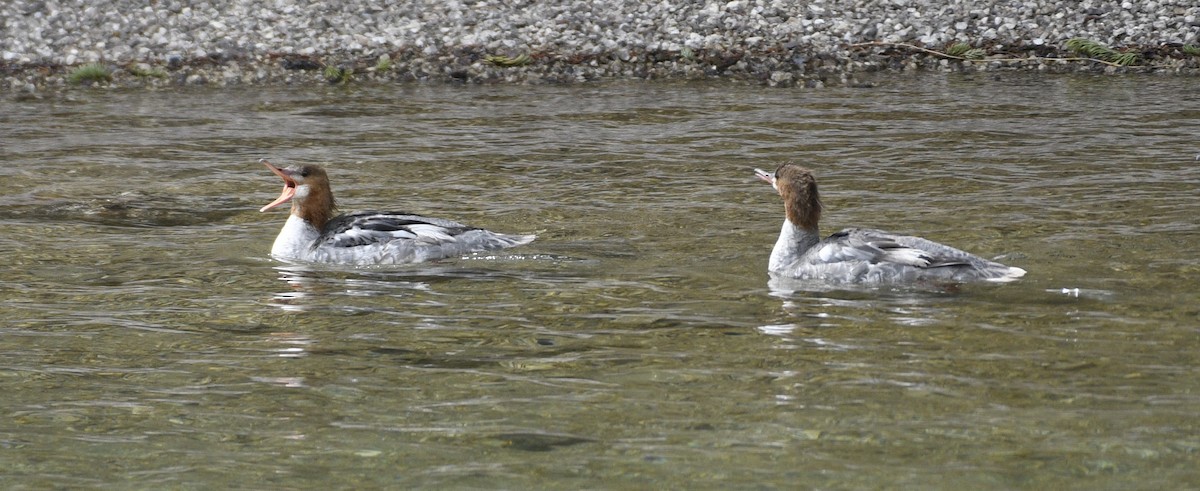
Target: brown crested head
x=307, y=187
x=801, y=201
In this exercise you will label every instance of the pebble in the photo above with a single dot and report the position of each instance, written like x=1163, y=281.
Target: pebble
x=226, y=42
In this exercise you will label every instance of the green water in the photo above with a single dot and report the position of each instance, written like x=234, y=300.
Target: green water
x=149, y=342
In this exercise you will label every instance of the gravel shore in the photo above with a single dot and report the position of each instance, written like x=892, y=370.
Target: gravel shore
x=231, y=42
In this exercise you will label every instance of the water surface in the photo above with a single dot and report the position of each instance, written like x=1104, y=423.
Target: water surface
x=149, y=342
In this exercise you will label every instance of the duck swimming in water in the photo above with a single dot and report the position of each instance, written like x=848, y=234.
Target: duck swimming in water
x=859, y=255
x=313, y=234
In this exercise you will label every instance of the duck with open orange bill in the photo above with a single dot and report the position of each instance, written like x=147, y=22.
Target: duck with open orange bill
x=313, y=234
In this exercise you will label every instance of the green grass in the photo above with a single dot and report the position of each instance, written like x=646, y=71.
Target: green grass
x=1126, y=59
x=90, y=74
x=508, y=61
x=337, y=75
x=958, y=49
x=1093, y=49
x=138, y=71
x=1191, y=50
x=965, y=51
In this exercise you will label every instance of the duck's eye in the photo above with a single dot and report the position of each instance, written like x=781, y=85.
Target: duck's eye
x=304, y=173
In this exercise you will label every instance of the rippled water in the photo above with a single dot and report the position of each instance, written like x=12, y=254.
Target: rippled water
x=148, y=342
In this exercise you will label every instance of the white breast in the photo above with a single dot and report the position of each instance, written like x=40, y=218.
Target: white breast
x=295, y=240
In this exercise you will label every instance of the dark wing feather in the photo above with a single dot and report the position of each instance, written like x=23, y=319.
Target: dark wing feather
x=369, y=227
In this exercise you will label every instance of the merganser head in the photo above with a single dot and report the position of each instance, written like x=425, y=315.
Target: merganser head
x=307, y=187
x=798, y=188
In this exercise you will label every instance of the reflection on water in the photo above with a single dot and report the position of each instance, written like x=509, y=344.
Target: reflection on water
x=639, y=341
x=298, y=287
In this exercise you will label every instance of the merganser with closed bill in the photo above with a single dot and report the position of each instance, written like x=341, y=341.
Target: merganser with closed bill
x=313, y=234
x=859, y=255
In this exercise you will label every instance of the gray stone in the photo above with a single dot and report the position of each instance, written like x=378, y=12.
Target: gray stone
x=622, y=37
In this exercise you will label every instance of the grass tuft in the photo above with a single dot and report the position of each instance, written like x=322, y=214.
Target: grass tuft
x=138, y=71
x=1093, y=49
x=958, y=49
x=505, y=61
x=337, y=75
x=89, y=74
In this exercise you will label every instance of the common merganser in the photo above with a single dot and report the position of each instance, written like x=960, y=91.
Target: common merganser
x=857, y=255
x=313, y=234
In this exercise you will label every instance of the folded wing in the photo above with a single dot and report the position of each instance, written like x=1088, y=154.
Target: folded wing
x=367, y=228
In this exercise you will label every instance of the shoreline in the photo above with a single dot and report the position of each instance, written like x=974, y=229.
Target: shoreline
x=49, y=46
x=474, y=65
